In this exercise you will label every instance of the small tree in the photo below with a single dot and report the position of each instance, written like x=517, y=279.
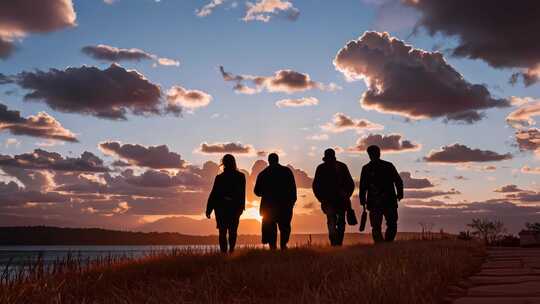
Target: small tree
x=489, y=231
x=533, y=227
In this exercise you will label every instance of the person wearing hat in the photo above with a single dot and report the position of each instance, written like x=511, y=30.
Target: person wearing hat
x=333, y=186
x=381, y=188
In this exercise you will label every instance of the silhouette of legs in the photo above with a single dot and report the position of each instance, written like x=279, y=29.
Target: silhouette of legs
x=270, y=224
x=336, y=227
x=233, y=228
x=223, y=240
x=269, y=231
x=284, y=224
x=376, y=216
x=230, y=226
x=391, y=217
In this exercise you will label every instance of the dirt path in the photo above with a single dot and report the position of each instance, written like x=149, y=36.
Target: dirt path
x=508, y=276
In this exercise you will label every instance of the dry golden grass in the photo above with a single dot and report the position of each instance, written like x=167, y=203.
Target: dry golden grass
x=402, y=272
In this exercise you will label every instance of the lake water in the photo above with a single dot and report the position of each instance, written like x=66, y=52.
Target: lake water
x=17, y=255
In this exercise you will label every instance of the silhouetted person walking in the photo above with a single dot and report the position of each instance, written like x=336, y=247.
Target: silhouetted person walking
x=227, y=199
x=384, y=188
x=333, y=187
x=277, y=189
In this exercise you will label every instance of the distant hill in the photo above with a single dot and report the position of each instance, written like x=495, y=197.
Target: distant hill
x=43, y=235
x=189, y=226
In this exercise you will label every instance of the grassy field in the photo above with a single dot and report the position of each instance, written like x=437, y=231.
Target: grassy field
x=403, y=272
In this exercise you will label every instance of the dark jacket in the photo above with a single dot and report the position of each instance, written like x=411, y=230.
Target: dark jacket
x=333, y=185
x=276, y=187
x=380, y=181
x=228, y=196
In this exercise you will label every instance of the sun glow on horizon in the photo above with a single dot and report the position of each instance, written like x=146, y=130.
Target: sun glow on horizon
x=252, y=213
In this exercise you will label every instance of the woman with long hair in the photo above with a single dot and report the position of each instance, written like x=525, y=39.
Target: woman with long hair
x=228, y=200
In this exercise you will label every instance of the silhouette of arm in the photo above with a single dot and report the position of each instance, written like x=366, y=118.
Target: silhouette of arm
x=292, y=185
x=211, y=204
x=258, y=190
x=398, y=182
x=242, y=192
x=348, y=182
x=363, y=187
x=317, y=185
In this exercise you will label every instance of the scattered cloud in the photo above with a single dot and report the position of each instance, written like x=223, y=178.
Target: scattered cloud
x=41, y=159
x=318, y=137
x=22, y=17
x=423, y=194
x=264, y=10
x=523, y=115
x=528, y=140
x=283, y=81
x=341, y=123
x=392, y=143
x=41, y=125
x=208, y=8
x=458, y=153
x=508, y=189
x=410, y=182
x=530, y=170
x=411, y=82
x=113, y=54
x=108, y=93
x=230, y=147
x=301, y=178
x=297, y=102
x=156, y=157
x=524, y=196
x=179, y=98
x=266, y=152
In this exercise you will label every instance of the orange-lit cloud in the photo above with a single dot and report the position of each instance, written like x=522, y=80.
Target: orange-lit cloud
x=530, y=170
x=392, y=143
x=508, y=189
x=22, y=17
x=41, y=125
x=341, y=123
x=458, y=153
x=208, y=8
x=528, y=140
x=230, y=147
x=179, y=97
x=410, y=182
x=283, y=81
x=44, y=160
x=157, y=157
x=114, y=54
x=264, y=10
x=523, y=115
x=297, y=102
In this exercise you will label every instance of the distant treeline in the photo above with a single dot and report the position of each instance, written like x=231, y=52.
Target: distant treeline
x=41, y=235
